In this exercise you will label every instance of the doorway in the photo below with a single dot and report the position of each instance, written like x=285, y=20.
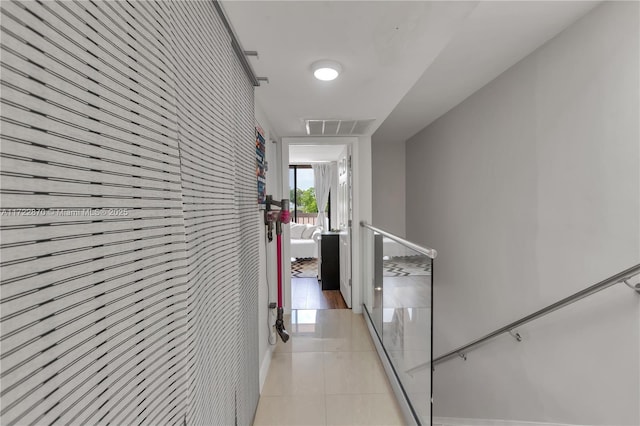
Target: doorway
x=320, y=201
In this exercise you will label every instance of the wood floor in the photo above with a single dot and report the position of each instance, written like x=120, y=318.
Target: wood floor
x=306, y=293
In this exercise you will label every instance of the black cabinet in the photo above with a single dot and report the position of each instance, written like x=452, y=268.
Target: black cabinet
x=330, y=261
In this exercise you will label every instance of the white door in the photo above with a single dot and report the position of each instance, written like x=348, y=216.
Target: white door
x=344, y=222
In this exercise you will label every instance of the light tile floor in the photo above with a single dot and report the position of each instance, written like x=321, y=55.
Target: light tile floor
x=327, y=374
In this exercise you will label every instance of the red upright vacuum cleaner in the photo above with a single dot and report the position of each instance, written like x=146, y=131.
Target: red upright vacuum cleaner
x=279, y=217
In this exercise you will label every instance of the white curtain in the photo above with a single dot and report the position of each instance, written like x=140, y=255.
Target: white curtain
x=322, y=175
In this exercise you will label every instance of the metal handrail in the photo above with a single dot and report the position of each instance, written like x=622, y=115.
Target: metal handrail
x=432, y=253
x=621, y=277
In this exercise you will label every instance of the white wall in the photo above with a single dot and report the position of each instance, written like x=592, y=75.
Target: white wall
x=268, y=275
x=530, y=191
x=388, y=185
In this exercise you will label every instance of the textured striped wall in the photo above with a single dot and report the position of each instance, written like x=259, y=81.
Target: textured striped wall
x=129, y=224
x=246, y=189
x=219, y=190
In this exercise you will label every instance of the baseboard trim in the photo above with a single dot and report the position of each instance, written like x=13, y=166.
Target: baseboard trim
x=454, y=421
x=264, y=366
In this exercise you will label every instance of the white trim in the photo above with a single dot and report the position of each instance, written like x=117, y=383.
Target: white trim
x=455, y=421
x=264, y=367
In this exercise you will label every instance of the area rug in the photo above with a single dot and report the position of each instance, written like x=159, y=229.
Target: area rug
x=304, y=267
x=400, y=266
x=403, y=266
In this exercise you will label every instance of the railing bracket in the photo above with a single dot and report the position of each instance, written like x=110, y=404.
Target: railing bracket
x=516, y=335
x=636, y=287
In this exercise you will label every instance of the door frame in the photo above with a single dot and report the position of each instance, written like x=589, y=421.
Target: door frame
x=361, y=206
x=346, y=224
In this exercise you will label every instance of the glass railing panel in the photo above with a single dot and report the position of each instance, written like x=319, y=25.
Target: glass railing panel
x=397, y=298
x=406, y=321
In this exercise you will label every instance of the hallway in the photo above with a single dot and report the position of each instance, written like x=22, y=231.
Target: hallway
x=327, y=374
x=147, y=212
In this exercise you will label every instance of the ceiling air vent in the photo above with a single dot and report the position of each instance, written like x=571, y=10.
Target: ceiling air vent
x=338, y=127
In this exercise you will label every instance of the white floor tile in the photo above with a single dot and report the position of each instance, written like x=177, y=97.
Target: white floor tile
x=305, y=329
x=296, y=373
x=327, y=374
x=348, y=336
x=353, y=373
x=371, y=409
x=291, y=411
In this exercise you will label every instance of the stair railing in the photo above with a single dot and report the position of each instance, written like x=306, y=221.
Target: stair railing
x=619, y=278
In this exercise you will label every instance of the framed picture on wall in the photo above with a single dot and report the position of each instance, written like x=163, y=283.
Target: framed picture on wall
x=260, y=166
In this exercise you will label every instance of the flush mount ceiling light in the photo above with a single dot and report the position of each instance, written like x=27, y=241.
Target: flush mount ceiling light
x=326, y=70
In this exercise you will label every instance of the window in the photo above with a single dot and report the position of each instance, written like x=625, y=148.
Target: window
x=302, y=195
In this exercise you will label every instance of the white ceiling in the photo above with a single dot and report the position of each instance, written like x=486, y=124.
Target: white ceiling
x=420, y=58
x=302, y=154
x=383, y=46
x=495, y=36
